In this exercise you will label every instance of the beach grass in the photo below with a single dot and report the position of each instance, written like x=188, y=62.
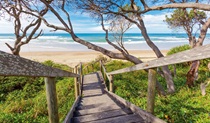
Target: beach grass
x=23, y=99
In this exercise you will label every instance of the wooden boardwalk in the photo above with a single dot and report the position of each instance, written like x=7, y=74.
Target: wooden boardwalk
x=96, y=106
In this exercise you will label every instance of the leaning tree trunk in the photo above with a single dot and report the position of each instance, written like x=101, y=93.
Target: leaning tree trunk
x=193, y=72
x=69, y=28
x=165, y=69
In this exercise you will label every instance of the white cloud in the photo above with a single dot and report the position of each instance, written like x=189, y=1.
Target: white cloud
x=156, y=24
x=83, y=24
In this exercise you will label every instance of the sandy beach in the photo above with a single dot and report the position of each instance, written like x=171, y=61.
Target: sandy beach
x=72, y=58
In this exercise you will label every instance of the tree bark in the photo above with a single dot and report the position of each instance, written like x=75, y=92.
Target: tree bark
x=193, y=72
x=166, y=71
x=151, y=90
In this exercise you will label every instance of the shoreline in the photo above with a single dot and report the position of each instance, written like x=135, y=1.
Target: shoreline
x=72, y=58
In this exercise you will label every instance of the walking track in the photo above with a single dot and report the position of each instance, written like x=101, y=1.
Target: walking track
x=96, y=106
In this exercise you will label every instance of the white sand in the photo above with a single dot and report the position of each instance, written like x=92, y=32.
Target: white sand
x=72, y=58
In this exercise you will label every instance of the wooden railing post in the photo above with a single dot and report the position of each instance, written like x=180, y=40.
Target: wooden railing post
x=75, y=83
x=104, y=77
x=111, y=83
x=103, y=71
x=151, y=90
x=51, y=99
x=80, y=82
x=101, y=65
x=87, y=69
x=92, y=67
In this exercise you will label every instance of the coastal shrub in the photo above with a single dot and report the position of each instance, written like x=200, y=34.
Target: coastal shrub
x=23, y=99
x=178, y=49
x=103, y=58
x=95, y=64
x=56, y=65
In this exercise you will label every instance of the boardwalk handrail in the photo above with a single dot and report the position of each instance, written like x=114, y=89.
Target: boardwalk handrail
x=104, y=70
x=11, y=65
x=197, y=53
x=193, y=54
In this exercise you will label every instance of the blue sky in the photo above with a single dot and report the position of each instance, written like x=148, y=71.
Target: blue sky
x=82, y=23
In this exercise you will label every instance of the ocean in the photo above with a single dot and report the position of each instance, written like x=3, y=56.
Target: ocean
x=63, y=41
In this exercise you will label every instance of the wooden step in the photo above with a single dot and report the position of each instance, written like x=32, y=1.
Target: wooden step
x=96, y=100
x=101, y=96
x=132, y=118
x=96, y=110
x=101, y=115
x=97, y=105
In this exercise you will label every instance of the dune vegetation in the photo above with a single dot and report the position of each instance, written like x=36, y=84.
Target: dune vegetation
x=23, y=99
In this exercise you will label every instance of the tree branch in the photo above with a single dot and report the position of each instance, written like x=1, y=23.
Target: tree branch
x=10, y=47
x=144, y=4
x=199, y=6
x=203, y=33
x=107, y=39
x=57, y=15
x=38, y=24
x=39, y=34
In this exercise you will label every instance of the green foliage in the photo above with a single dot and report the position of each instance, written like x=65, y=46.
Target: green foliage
x=101, y=58
x=23, y=99
x=55, y=65
x=182, y=18
x=128, y=7
x=178, y=49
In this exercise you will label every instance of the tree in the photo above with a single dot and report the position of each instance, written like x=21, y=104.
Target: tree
x=103, y=9
x=96, y=11
x=181, y=18
x=17, y=11
x=119, y=26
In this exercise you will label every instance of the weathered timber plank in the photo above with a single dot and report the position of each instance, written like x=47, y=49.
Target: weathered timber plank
x=102, y=115
x=70, y=113
x=96, y=110
x=151, y=91
x=51, y=99
x=105, y=72
x=76, y=89
x=11, y=65
x=111, y=83
x=102, y=80
x=149, y=118
x=197, y=53
x=132, y=118
x=103, y=99
x=96, y=105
